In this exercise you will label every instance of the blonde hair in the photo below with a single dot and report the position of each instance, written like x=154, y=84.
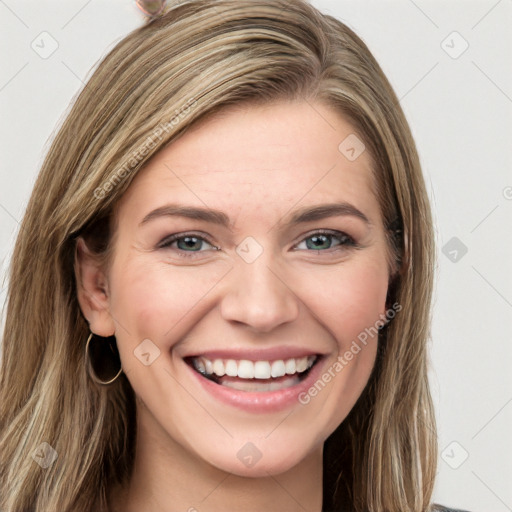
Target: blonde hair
x=194, y=60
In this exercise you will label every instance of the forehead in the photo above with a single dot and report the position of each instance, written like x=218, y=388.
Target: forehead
x=259, y=158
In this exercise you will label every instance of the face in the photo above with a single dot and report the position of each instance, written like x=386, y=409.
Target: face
x=236, y=297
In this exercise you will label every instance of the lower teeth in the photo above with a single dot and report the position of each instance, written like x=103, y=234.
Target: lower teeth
x=254, y=385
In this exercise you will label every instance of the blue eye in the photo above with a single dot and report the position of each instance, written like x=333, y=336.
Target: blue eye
x=323, y=240
x=320, y=241
x=188, y=243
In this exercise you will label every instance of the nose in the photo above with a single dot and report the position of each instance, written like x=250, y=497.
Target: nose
x=258, y=297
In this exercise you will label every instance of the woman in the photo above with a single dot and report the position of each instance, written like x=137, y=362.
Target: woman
x=231, y=260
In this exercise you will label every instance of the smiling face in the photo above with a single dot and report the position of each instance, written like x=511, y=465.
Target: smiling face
x=264, y=285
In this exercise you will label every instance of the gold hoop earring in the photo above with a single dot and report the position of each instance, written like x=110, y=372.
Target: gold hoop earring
x=113, y=355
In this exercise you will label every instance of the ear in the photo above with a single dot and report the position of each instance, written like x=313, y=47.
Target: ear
x=92, y=291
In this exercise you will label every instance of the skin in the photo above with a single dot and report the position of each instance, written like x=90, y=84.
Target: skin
x=258, y=164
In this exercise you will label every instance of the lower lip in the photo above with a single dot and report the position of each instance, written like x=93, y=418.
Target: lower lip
x=258, y=402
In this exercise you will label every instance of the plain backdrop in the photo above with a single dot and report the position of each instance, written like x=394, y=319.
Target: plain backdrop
x=449, y=62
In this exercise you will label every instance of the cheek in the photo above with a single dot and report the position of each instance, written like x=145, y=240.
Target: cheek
x=350, y=306
x=153, y=300
x=349, y=299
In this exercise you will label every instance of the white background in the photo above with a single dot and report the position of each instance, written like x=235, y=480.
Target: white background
x=460, y=111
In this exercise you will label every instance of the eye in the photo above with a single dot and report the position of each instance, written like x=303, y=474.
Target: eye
x=186, y=243
x=323, y=239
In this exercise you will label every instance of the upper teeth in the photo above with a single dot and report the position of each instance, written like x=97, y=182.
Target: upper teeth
x=246, y=369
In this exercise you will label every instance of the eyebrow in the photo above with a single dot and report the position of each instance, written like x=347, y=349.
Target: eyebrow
x=306, y=214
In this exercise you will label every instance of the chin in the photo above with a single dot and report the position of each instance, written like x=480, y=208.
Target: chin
x=261, y=457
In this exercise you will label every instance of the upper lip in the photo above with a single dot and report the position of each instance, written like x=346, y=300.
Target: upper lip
x=262, y=354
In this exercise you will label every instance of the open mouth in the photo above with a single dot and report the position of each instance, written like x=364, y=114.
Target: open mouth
x=254, y=376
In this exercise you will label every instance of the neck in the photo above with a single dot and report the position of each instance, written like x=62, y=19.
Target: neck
x=167, y=477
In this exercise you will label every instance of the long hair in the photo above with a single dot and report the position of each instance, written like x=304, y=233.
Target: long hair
x=190, y=62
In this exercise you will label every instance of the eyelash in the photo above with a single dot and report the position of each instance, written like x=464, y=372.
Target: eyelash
x=345, y=241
